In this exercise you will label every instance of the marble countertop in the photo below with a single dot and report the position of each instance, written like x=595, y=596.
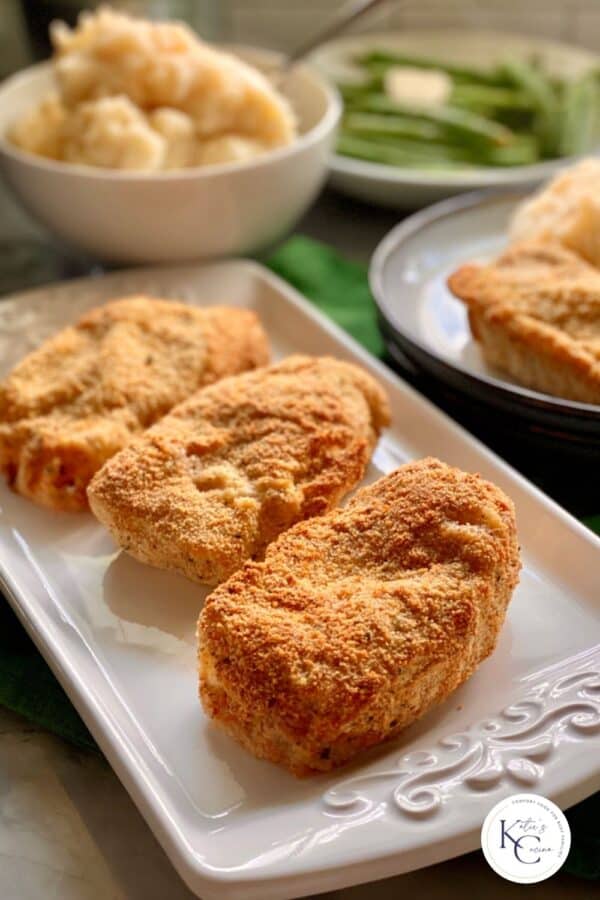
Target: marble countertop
x=68, y=830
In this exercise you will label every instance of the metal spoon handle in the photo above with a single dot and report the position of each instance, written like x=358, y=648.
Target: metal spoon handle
x=348, y=14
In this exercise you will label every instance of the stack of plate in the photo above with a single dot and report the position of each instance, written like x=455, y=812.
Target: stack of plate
x=423, y=321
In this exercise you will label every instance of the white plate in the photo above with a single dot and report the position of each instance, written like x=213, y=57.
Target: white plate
x=119, y=636
x=408, y=277
x=408, y=188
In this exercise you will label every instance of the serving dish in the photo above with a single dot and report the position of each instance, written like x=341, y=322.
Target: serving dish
x=120, y=638
x=427, y=323
x=187, y=214
x=408, y=188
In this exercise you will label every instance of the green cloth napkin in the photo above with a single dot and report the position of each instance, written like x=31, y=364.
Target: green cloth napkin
x=334, y=284
x=340, y=289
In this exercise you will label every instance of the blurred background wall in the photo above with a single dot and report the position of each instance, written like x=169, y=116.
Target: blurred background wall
x=281, y=23
x=13, y=48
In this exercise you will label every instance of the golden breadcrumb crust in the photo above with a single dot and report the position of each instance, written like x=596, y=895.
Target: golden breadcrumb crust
x=225, y=472
x=536, y=313
x=357, y=622
x=84, y=393
x=564, y=211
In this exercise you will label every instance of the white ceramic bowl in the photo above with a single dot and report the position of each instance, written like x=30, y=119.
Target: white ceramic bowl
x=409, y=188
x=221, y=210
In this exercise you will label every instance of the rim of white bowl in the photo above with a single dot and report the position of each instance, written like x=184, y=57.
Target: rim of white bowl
x=469, y=179
x=326, y=124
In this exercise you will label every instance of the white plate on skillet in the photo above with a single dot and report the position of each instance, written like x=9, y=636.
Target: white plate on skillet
x=420, y=315
x=120, y=638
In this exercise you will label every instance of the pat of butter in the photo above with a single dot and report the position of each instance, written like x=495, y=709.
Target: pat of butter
x=411, y=86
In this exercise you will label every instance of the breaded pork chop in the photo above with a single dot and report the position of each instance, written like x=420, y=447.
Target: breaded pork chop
x=536, y=313
x=84, y=393
x=225, y=472
x=357, y=622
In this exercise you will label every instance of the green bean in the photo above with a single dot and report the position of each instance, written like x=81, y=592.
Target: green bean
x=532, y=81
x=421, y=148
x=381, y=60
x=402, y=126
x=351, y=90
x=478, y=96
x=378, y=152
x=457, y=123
x=524, y=150
x=580, y=131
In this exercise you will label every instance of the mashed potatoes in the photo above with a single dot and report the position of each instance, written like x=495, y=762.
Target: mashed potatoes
x=567, y=210
x=150, y=96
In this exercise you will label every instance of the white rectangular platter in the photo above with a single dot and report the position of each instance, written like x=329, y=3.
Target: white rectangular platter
x=120, y=638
